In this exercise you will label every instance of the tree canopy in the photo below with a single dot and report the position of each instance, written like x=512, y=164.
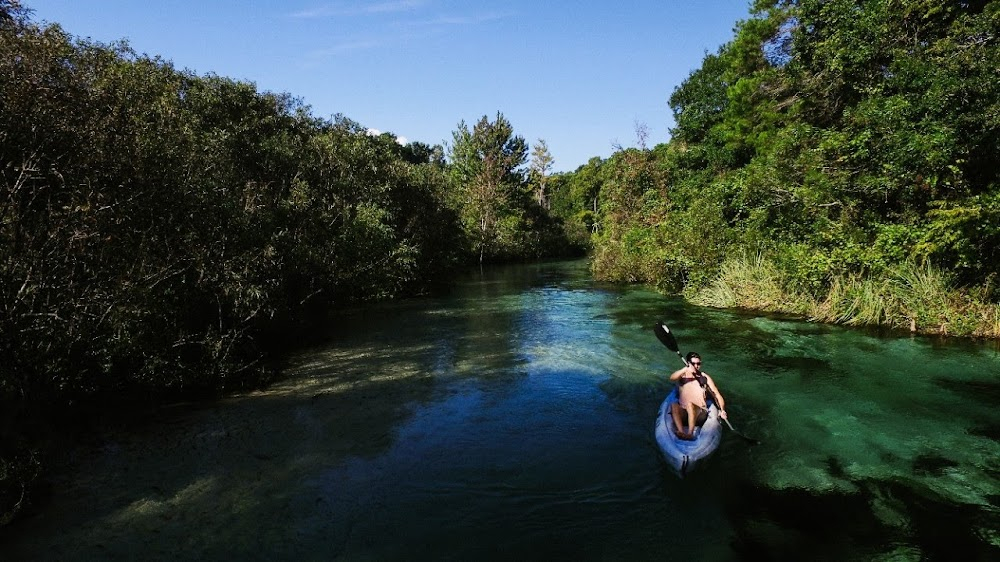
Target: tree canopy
x=165, y=233
x=835, y=138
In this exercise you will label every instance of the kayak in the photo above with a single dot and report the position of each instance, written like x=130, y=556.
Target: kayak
x=684, y=454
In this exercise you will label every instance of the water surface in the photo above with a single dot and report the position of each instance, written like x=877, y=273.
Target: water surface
x=514, y=419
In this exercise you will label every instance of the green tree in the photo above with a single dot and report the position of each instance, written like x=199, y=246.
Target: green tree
x=839, y=137
x=488, y=185
x=539, y=169
x=163, y=233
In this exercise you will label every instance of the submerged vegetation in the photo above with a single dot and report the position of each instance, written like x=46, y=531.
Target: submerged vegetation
x=836, y=159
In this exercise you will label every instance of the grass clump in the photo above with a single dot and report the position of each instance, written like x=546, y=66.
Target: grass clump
x=912, y=296
x=751, y=282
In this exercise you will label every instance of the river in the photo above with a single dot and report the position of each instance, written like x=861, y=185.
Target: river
x=513, y=418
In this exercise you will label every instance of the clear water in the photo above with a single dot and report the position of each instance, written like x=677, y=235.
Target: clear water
x=514, y=419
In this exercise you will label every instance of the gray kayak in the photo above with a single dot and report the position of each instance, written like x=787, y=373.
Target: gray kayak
x=684, y=454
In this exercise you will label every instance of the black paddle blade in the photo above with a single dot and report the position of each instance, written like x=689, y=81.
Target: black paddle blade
x=666, y=338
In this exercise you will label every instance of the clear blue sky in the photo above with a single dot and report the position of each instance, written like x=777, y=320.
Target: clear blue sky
x=579, y=74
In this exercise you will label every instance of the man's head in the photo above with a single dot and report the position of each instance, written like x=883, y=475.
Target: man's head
x=694, y=360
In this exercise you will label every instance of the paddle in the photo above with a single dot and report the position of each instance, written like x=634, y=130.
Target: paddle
x=667, y=338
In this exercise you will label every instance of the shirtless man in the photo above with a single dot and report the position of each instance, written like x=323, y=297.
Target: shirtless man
x=691, y=383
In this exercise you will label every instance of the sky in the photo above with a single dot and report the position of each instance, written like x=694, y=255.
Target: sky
x=583, y=75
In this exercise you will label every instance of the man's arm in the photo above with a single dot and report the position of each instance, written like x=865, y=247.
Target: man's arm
x=678, y=374
x=720, y=401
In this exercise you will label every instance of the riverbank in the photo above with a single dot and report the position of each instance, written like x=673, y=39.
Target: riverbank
x=917, y=298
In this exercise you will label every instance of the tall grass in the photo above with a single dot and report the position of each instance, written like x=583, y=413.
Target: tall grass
x=910, y=296
x=752, y=282
x=854, y=301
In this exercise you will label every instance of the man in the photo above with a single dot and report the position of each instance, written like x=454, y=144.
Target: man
x=692, y=387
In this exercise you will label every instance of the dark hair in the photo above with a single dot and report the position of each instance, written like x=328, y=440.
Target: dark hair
x=692, y=355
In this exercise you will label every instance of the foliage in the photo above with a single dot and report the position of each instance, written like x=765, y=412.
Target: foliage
x=538, y=172
x=163, y=233
x=488, y=178
x=573, y=200
x=491, y=193
x=836, y=140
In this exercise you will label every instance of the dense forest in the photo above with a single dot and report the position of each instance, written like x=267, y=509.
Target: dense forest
x=164, y=234
x=836, y=159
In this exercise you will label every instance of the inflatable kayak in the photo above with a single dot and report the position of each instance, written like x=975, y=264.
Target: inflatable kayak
x=684, y=454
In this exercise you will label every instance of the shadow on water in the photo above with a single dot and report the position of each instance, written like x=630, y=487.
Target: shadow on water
x=216, y=479
x=252, y=473
x=974, y=392
x=884, y=519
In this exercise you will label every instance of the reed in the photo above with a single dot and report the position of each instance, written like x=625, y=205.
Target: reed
x=854, y=300
x=911, y=296
x=749, y=281
x=925, y=296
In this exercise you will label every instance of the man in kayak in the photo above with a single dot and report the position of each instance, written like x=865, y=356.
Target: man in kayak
x=693, y=386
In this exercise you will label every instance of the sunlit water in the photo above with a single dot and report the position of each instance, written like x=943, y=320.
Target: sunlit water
x=514, y=419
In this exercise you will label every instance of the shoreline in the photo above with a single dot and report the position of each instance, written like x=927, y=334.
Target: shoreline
x=918, y=299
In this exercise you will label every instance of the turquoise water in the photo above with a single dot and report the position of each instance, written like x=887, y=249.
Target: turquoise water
x=514, y=419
